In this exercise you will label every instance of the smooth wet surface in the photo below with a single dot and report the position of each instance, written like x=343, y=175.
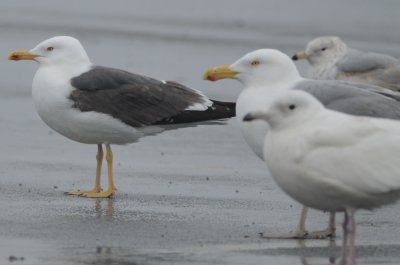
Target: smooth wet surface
x=190, y=196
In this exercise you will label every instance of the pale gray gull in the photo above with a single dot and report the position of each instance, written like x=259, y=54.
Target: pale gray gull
x=327, y=160
x=330, y=59
x=266, y=73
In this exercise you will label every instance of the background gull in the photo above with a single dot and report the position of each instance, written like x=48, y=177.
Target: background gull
x=330, y=58
x=266, y=73
x=327, y=160
x=101, y=105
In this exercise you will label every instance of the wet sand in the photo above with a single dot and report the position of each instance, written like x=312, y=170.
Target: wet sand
x=189, y=196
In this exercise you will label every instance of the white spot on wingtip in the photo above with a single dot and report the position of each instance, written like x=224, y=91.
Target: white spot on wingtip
x=197, y=106
x=200, y=106
x=163, y=81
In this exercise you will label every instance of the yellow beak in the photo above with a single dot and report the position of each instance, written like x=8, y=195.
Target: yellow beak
x=219, y=72
x=21, y=55
x=300, y=56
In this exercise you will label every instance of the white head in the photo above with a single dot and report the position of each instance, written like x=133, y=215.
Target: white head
x=322, y=50
x=60, y=50
x=258, y=68
x=290, y=108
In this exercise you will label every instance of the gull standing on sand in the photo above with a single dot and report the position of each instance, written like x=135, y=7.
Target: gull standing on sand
x=266, y=73
x=327, y=160
x=331, y=59
x=100, y=105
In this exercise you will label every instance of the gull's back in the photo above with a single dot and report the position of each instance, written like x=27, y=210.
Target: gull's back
x=372, y=68
x=354, y=98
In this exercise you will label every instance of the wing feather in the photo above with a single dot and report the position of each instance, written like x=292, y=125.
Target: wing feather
x=134, y=99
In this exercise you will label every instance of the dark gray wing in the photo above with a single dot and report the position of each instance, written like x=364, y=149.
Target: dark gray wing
x=360, y=99
x=134, y=99
x=357, y=61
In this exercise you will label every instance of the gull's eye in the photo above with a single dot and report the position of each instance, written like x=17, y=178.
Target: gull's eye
x=323, y=49
x=49, y=49
x=255, y=63
x=292, y=107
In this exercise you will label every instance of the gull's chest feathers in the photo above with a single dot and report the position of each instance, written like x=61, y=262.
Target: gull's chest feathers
x=323, y=71
x=293, y=151
x=254, y=99
x=50, y=92
x=285, y=159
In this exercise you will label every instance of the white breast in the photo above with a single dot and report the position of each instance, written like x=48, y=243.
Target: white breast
x=255, y=99
x=254, y=132
x=323, y=71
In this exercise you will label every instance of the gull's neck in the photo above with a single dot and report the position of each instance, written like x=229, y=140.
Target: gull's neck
x=278, y=83
x=70, y=63
x=67, y=69
x=54, y=80
x=342, y=49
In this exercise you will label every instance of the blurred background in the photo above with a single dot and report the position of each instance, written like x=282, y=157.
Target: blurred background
x=190, y=196
x=179, y=39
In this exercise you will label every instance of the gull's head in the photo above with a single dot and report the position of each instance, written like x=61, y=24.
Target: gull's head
x=256, y=69
x=288, y=109
x=60, y=50
x=327, y=49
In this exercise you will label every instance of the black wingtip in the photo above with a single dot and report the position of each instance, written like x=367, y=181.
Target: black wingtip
x=218, y=111
x=295, y=58
x=222, y=110
x=248, y=117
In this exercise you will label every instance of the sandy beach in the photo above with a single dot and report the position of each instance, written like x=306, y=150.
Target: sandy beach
x=194, y=195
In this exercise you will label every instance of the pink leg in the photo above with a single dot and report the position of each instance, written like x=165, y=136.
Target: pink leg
x=332, y=224
x=352, y=237
x=330, y=231
x=302, y=233
x=349, y=229
x=299, y=233
x=345, y=238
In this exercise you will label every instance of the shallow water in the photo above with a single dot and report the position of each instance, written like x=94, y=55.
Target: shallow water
x=189, y=196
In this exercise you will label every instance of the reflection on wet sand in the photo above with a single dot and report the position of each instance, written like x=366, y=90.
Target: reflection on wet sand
x=306, y=260
x=103, y=250
x=104, y=207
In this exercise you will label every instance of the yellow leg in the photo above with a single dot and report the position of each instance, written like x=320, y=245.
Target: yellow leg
x=96, y=189
x=111, y=187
